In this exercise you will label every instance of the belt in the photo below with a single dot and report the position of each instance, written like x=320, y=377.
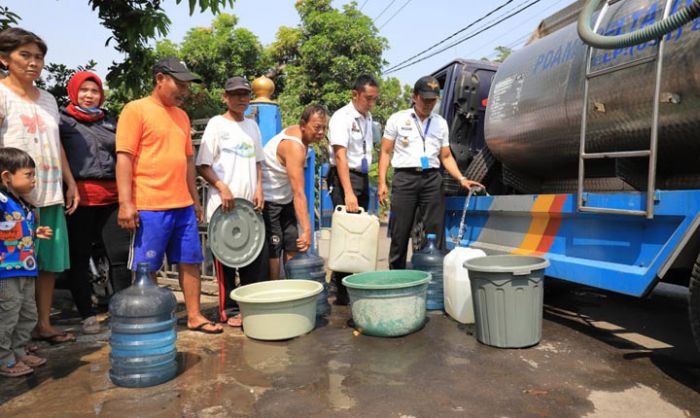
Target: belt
x=415, y=169
x=334, y=171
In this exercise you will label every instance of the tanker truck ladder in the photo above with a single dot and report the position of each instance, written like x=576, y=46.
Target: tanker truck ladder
x=650, y=153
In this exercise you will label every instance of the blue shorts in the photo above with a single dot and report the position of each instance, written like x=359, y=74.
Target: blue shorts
x=172, y=233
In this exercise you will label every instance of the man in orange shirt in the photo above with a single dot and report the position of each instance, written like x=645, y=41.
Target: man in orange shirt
x=158, y=199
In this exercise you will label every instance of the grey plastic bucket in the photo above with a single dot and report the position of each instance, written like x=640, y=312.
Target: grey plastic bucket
x=507, y=291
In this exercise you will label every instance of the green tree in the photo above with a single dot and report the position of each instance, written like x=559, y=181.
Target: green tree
x=7, y=18
x=502, y=54
x=392, y=98
x=133, y=24
x=319, y=60
x=216, y=53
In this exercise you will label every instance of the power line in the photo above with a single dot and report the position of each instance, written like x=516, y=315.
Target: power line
x=363, y=5
x=451, y=36
x=395, y=13
x=497, y=36
x=522, y=38
x=472, y=35
x=395, y=68
x=385, y=9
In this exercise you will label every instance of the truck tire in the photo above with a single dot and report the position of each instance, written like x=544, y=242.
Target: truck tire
x=694, y=302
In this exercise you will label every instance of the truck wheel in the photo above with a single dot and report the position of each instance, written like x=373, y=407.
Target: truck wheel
x=694, y=302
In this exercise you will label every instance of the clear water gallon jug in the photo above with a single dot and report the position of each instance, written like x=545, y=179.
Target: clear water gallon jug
x=143, y=333
x=309, y=266
x=430, y=259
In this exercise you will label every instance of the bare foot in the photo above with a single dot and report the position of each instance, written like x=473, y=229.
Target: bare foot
x=19, y=369
x=32, y=360
x=235, y=321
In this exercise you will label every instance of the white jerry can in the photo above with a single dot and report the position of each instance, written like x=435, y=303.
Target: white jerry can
x=457, y=288
x=354, y=241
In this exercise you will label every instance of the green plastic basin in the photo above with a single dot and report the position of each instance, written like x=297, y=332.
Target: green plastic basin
x=388, y=303
x=278, y=309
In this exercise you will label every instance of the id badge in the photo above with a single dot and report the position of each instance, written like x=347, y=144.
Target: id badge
x=424, y=162
x=364, y=168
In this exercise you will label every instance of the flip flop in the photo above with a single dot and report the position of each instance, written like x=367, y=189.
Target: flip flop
x=18, y=369
x=54, y=339
x=200, y=328
x=33, y=361
x=235, y=321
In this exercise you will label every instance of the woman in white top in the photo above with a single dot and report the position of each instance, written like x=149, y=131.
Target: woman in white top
x=29, y=121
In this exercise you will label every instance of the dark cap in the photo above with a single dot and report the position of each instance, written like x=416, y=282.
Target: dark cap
x=176, y=68
x=427, y=87
x=237, y=83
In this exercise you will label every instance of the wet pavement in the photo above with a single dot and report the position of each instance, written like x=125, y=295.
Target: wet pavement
x=601, y=355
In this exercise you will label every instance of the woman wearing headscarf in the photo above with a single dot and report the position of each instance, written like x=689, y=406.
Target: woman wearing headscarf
x=88, y=136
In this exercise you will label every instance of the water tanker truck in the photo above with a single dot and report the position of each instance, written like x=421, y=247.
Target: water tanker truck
x=589, y=149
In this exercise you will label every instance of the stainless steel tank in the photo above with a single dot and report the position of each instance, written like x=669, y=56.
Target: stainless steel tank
x=533, y=120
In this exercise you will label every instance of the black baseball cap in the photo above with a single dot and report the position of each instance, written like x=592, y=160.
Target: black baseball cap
x=427, y=87
x=176, y=68
x=237, y=83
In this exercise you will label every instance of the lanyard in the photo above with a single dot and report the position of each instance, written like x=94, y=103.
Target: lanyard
x=423, y=133
x=367, y=129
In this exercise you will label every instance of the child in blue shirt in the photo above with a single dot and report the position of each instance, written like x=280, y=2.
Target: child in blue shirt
x=18, y=269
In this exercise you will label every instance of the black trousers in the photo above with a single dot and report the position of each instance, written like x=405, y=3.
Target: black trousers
x=411, y=190
x=257, y=271
x=96, y=224
x=360, y=186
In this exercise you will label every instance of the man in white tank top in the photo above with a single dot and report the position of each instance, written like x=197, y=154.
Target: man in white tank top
x=283, y=186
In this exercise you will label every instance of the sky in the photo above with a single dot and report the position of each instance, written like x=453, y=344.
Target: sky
x=74, y=34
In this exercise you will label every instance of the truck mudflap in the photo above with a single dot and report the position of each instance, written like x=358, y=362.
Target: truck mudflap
x=624, y=254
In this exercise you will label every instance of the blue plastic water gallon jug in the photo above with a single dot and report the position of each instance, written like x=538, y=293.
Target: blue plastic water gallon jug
x=143, y=333
x=430, y=259
x=309, y=266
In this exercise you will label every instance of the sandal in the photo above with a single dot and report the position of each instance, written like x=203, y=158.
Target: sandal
x=54, y=339
x=200, y=328
x=15, y=370
x=33, y=361
x=235, y=321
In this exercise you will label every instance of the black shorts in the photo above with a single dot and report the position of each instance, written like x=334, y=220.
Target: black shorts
x=280, y=228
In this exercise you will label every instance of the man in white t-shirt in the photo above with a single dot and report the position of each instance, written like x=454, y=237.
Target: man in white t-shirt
x=416, y=141
x=229, y=159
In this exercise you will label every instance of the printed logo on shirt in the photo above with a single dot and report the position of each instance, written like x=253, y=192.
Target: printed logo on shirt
x=244, y=150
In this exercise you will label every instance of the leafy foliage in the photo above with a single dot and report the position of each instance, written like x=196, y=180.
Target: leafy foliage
x=503, y=52
x=216, y=53
x=7, y=18
x=324, y=54
x=133, y=23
